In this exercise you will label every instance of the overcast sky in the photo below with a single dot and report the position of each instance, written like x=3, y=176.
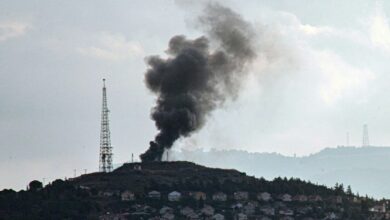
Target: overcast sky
x=322, y=71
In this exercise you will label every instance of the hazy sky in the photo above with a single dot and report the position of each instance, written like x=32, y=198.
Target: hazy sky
x=322, y=70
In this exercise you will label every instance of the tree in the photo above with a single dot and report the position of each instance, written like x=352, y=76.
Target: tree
x=35, y=185
x=339, y=189
x=349, y=191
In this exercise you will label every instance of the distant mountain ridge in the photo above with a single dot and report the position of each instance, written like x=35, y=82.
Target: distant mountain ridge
x=366, y=169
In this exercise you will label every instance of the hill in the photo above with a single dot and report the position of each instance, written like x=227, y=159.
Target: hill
x=146, y=190
x=364, y=168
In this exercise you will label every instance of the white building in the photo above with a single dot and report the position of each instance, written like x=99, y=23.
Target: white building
x=219, y=197
x=207, y=210
x=168, y=216
x=174, y=196
x=378, y=208
x=127, y=196
x=249, y=208
x=154, y=195
x=186, y=211
x=241, y=216
x=218, y=217
x=264, y=196
x=241, y=195
x=165, y=210
x=267, y=210
x=286, y=197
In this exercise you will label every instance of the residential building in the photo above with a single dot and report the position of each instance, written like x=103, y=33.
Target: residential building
x=207, y=210
x=198, y=195
x=315, y=198
x=286, y=197
x=379, y=208
x=241, y=216
x=267, y=210
x=219, y=197
x=300, y=198
x=264, y=196
x=127, y=196
x=241, y=195
x=174, y=196
x=218, y=217
x=154, y=195
x=286, y=211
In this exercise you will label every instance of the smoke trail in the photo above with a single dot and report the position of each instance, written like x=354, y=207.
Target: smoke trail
x=195, y=79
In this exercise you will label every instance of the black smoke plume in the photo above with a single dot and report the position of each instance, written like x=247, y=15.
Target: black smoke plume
x=197, y=76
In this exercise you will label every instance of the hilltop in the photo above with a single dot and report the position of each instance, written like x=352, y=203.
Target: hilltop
x=189, y=176
x=146, y=190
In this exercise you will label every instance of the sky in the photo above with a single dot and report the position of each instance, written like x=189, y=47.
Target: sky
x=321, y=71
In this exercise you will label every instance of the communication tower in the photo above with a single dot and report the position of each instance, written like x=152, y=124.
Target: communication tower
x=105, y=158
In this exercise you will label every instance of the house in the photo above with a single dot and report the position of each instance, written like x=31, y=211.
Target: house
x=108, y=216
x=154, y=194
x=356, y=199
x=139, y=215
x=174, y=196
x=300, y=198
x=304, y=210
x=168, y=216
x=165, y=210
x=198, y=195
x=87, y=188
x=287, y=218
x=315, y=198
x=137, y=167
x=219, y=197
x=193, y=216
x=237, y=206
x=108, y=193
x=207, y=210
x=264, y=196
x=186, y=211
x=267, y=210
x=218, y=217
x=279, y=204
x=378, y=208
x=241, y=216
x=330, y=216
x=249, y=209
x=285, y=197
x=143, y=208
x=286, y=211
x=127, y=196
x=241, y=195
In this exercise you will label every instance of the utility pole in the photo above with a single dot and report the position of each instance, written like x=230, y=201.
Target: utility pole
x=105, y=159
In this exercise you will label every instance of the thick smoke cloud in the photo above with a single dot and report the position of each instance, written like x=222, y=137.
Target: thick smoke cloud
x=198, y=76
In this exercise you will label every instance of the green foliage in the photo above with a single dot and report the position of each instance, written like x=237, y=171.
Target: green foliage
x=35, y=185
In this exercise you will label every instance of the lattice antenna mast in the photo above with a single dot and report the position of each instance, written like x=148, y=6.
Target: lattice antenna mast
x=105, y=159
x=366, y=141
